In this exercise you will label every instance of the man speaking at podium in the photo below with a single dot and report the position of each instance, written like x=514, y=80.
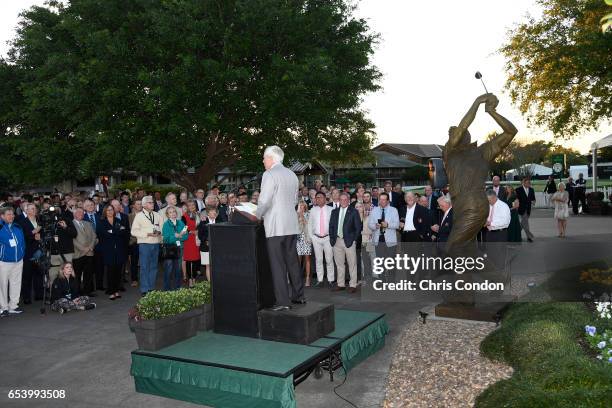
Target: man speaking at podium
x=276, y=205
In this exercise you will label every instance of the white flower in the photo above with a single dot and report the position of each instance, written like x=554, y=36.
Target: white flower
x=601, y=344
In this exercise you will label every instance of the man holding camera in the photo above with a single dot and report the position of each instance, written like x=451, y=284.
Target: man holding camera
x=62, y=246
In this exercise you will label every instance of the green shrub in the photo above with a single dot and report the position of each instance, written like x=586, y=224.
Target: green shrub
x=551, y=368
x=158, y=304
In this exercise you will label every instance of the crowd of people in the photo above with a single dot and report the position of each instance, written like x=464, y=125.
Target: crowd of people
x=99, y=243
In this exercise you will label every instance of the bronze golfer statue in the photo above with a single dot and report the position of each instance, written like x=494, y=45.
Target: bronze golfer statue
x=467, y=166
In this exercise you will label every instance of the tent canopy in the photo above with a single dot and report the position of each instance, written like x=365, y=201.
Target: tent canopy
x=605, y=142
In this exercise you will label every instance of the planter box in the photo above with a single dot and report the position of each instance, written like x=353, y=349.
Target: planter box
x=153, y=335
x=206, y=320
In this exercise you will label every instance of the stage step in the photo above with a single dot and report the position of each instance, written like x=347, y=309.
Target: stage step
x=303, y=324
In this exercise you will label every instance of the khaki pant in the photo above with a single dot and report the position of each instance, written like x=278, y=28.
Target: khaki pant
x=10, y=278
x=340, y=252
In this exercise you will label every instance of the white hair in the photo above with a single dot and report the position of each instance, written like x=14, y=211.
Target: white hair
x=446, y=198
x=147, y=199
x=275, y=152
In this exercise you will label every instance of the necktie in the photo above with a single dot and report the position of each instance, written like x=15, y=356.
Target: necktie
x=381, y=235
x=341, y=222
x=322, y=221
x=490, y=219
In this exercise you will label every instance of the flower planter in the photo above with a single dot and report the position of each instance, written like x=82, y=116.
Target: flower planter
x=206, y=320
x=155, y=334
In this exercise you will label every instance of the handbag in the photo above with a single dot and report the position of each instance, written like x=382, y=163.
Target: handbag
x=169, y=251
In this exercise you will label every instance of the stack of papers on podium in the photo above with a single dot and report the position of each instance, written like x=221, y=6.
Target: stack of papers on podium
x=247, y=208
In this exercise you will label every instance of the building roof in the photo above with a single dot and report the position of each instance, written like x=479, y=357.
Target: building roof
x=421, y=150
x=381, y=160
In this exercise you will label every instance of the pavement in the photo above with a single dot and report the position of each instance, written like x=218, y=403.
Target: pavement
x=87, y=354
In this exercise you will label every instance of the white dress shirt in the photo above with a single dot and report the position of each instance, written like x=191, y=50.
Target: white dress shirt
x=499, y=216
x=314, y=220
x=409, y=222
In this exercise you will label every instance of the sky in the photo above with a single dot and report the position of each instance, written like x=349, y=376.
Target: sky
x=428, y=54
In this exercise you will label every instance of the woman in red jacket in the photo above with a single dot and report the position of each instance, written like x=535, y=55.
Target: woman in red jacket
x=191, y=252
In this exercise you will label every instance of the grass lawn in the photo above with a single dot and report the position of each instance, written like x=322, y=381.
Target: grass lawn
x=551, y=368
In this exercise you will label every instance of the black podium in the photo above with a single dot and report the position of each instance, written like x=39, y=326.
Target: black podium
x=241, y=279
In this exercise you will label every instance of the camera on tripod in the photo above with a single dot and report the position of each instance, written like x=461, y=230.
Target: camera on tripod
x=48, y=222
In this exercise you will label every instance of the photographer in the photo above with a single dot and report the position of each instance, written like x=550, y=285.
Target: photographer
x=63, y=233
x=31, y=274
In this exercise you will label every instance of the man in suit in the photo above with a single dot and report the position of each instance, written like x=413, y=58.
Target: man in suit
x=395, y=198
x=335, y=199
x=83, y=258
x=344, y=230
x=445, y=227
x=579, y=195
x=500, y=191
x=92, y=216
x=384, y=222
x=277, y=201
x=414, y=221
x=526, y=197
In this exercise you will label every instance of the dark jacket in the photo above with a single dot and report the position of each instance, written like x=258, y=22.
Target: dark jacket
x=66, y=235
x=525, y=200
x=502, y=195
x=421, y=220
x=446, y=227
x=112, y=241
x=351, y=228
x=551, y=187
x=203, y=232
x=222, y=215
x=31, y=245
x=64, y=288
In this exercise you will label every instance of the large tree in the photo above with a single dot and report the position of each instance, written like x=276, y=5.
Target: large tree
x=183, y=87
x=560, y=67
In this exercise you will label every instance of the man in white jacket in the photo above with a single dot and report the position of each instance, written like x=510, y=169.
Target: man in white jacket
x=147, y=230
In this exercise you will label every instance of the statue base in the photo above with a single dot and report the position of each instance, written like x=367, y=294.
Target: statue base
x=485, y=312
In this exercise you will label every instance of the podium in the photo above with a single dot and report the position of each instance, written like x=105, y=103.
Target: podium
x=241, y=278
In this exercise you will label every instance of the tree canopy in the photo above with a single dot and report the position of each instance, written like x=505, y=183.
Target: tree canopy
x=559, y=68
x=183, y=88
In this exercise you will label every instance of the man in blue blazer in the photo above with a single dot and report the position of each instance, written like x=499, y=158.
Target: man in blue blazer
x=344, y=229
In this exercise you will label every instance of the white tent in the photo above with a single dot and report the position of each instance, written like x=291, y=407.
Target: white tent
x=530, y=169
x=605, y=142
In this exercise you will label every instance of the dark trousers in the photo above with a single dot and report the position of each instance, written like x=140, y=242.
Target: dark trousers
x=31, y=278
x=358, y=258
x=192, y=268
x=579, y=197
x=384, y=251
x=497, y=235
x=84, y=267
x=284, y=262
x=99, y=269
x=410, y=236
x=134, y=262
x=114, y=278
